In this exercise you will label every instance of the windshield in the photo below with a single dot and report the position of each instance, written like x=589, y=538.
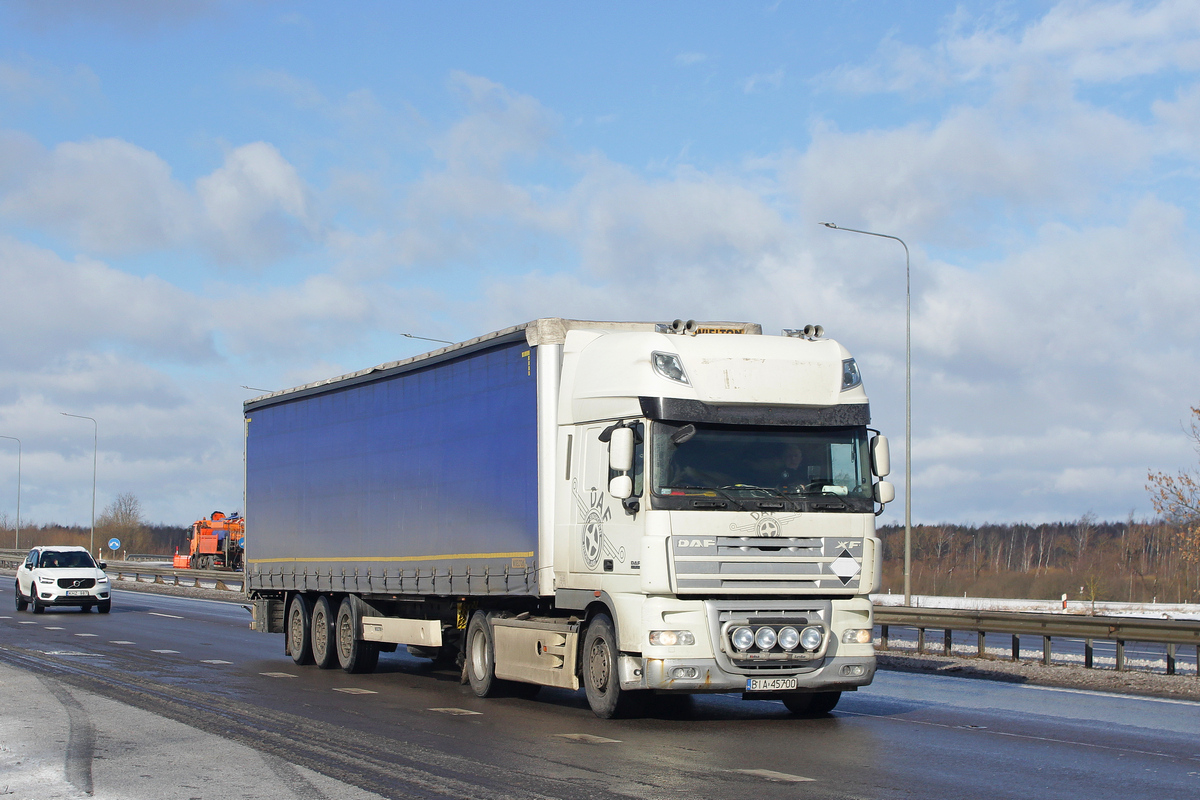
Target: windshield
x=752, y=468
x=72, y=559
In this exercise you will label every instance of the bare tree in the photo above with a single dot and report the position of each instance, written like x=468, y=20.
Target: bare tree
x=122, y=518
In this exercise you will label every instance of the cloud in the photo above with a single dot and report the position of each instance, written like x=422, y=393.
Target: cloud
x=255, y=205
x=58, y=308
x=690, y=59
x=760, y=80
x=107, y=194
x=1093, y=43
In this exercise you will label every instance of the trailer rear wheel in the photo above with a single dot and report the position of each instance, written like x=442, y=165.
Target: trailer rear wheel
x=601, y=681
x=324, y=634
x=354, y=654
x=299, y=622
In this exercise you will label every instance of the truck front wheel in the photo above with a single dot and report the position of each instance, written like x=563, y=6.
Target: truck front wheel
x=811, y=705
x=601, y=681
x=354, y=654
x=481, y=656
x=299, y=620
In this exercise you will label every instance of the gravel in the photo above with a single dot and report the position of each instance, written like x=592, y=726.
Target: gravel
x=1183, y=687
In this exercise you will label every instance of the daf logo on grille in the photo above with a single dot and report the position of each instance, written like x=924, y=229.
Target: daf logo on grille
x=697, y=542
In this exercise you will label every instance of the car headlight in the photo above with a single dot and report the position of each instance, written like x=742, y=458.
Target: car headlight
x=671, y=638
x=45, y=579
x=103, y=579
x=742, y=638
x=811, y=638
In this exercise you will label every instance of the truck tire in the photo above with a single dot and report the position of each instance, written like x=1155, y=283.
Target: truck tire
x=22, y=603
x=324, y=634
x=354, y=654
x=601, y=681
x=481, y=657
x=815, y=704
x=299, y=626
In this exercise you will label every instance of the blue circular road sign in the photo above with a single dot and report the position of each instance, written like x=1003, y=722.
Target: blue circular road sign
x=114, y=544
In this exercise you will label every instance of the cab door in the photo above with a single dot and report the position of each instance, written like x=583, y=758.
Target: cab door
x=606, y=535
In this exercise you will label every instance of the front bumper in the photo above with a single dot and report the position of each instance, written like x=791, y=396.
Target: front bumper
x=54, y=596
x=834, y=674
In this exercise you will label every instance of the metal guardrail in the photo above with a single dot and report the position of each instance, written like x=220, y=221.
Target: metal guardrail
x=126, y=570
x=1172, y=633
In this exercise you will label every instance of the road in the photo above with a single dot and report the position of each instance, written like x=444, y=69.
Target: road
x=168, y=697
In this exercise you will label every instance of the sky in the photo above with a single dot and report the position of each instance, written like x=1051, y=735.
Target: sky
x=200, y=196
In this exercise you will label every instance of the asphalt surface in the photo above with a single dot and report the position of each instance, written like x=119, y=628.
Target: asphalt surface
x=171, y=697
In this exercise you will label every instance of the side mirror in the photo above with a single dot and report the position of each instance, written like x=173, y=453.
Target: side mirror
x=103, y=565
x=881, y=459
x=884, y=493
x=621, y=487
x=620, y=450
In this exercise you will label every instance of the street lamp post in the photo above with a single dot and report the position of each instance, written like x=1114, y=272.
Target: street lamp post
x=907, y=406
x=95, y=450
x=17, y=533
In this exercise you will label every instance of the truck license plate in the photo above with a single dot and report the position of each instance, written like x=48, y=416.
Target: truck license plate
x=77, y=592
x=769, y=684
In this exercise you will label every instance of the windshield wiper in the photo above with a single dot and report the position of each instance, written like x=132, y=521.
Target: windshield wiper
x=717, y=489
x=769, y=489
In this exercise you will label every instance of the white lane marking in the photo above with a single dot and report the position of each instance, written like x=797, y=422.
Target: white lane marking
x=5, y=617
x=119, y=641
x=772, y=775
x=214, y=661
x=68, y=653
x=456, y=712
x=27, y=622
x=986, y=731
x=86, y=634
x=156, y=614
x=53, y=628
x=176, y=652
x=1094, y=693
x=354, y=690
x=277, y=674
x=587, y=738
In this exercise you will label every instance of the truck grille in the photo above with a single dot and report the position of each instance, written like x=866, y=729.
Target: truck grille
x=725, y=615
x=745, y=564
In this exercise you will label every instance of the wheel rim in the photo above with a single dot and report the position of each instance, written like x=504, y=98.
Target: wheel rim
x=319, y=636
x=297, y=629
x=345, y=636
x=598, y=665
x=479, y=655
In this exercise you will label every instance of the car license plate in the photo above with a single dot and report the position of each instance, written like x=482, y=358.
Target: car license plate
x=77, y=592
x=769, y=684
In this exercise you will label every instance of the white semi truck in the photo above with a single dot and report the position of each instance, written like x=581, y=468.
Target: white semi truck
x=625, y=507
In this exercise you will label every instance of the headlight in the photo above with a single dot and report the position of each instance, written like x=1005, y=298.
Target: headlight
x=45, y=579
x=743, y=638
x=103, y=579
x=765, y=638
x=671, y=638
x=789, y=637
x=851, y=377
x=858, y=636
x=670, y=367
x=811, y=638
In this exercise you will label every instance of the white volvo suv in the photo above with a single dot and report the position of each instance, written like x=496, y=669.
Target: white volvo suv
x=62, y=576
